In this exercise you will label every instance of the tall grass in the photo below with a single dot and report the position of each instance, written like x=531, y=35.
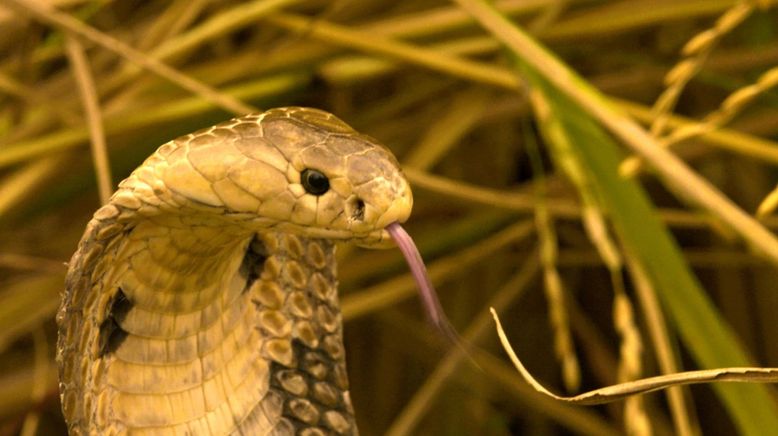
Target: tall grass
x=436, y=86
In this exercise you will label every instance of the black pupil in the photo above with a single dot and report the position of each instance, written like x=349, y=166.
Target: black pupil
x=315, y=182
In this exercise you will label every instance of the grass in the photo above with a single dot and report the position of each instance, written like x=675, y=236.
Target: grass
x=434, y=82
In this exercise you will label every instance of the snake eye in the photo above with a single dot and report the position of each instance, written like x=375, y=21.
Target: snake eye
x=314, y=182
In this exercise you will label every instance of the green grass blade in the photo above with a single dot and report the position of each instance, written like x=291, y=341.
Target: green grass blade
x=676, y=175
x=704, y=332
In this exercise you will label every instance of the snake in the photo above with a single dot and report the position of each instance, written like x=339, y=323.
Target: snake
x=202, y=298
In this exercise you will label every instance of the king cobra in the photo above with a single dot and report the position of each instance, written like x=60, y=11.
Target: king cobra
x=202, y=298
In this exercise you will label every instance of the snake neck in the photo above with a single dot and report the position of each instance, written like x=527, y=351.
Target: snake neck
x=296, y=298
x=210, y=330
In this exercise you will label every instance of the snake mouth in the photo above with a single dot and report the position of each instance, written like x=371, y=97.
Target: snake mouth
x=379, y=238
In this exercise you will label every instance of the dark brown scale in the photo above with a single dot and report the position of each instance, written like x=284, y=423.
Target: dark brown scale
x=111, y=333
x=253, y=262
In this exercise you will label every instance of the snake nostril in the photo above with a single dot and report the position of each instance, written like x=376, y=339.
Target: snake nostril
x=357, y=209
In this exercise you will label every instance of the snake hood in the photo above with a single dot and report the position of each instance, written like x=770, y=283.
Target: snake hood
x=295, y=169
x=202, y=299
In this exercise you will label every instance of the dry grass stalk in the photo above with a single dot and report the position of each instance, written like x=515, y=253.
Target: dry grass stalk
x=695, y=53
x=426, y=54
x=86, y=87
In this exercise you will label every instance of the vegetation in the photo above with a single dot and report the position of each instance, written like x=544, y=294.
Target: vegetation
x=599, y=172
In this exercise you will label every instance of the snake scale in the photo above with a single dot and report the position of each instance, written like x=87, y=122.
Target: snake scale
x=202, y=298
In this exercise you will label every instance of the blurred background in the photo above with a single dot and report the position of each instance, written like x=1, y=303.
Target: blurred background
x=509, y=210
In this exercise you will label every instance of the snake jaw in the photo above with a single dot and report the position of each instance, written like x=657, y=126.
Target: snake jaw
x=398, y=211
x=379, y=238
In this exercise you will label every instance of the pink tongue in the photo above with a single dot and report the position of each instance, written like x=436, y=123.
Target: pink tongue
x=429, y=297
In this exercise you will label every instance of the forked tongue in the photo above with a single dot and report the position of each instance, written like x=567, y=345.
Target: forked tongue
x=429, y=297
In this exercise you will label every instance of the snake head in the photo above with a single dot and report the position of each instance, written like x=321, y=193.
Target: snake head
x=296, y=169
